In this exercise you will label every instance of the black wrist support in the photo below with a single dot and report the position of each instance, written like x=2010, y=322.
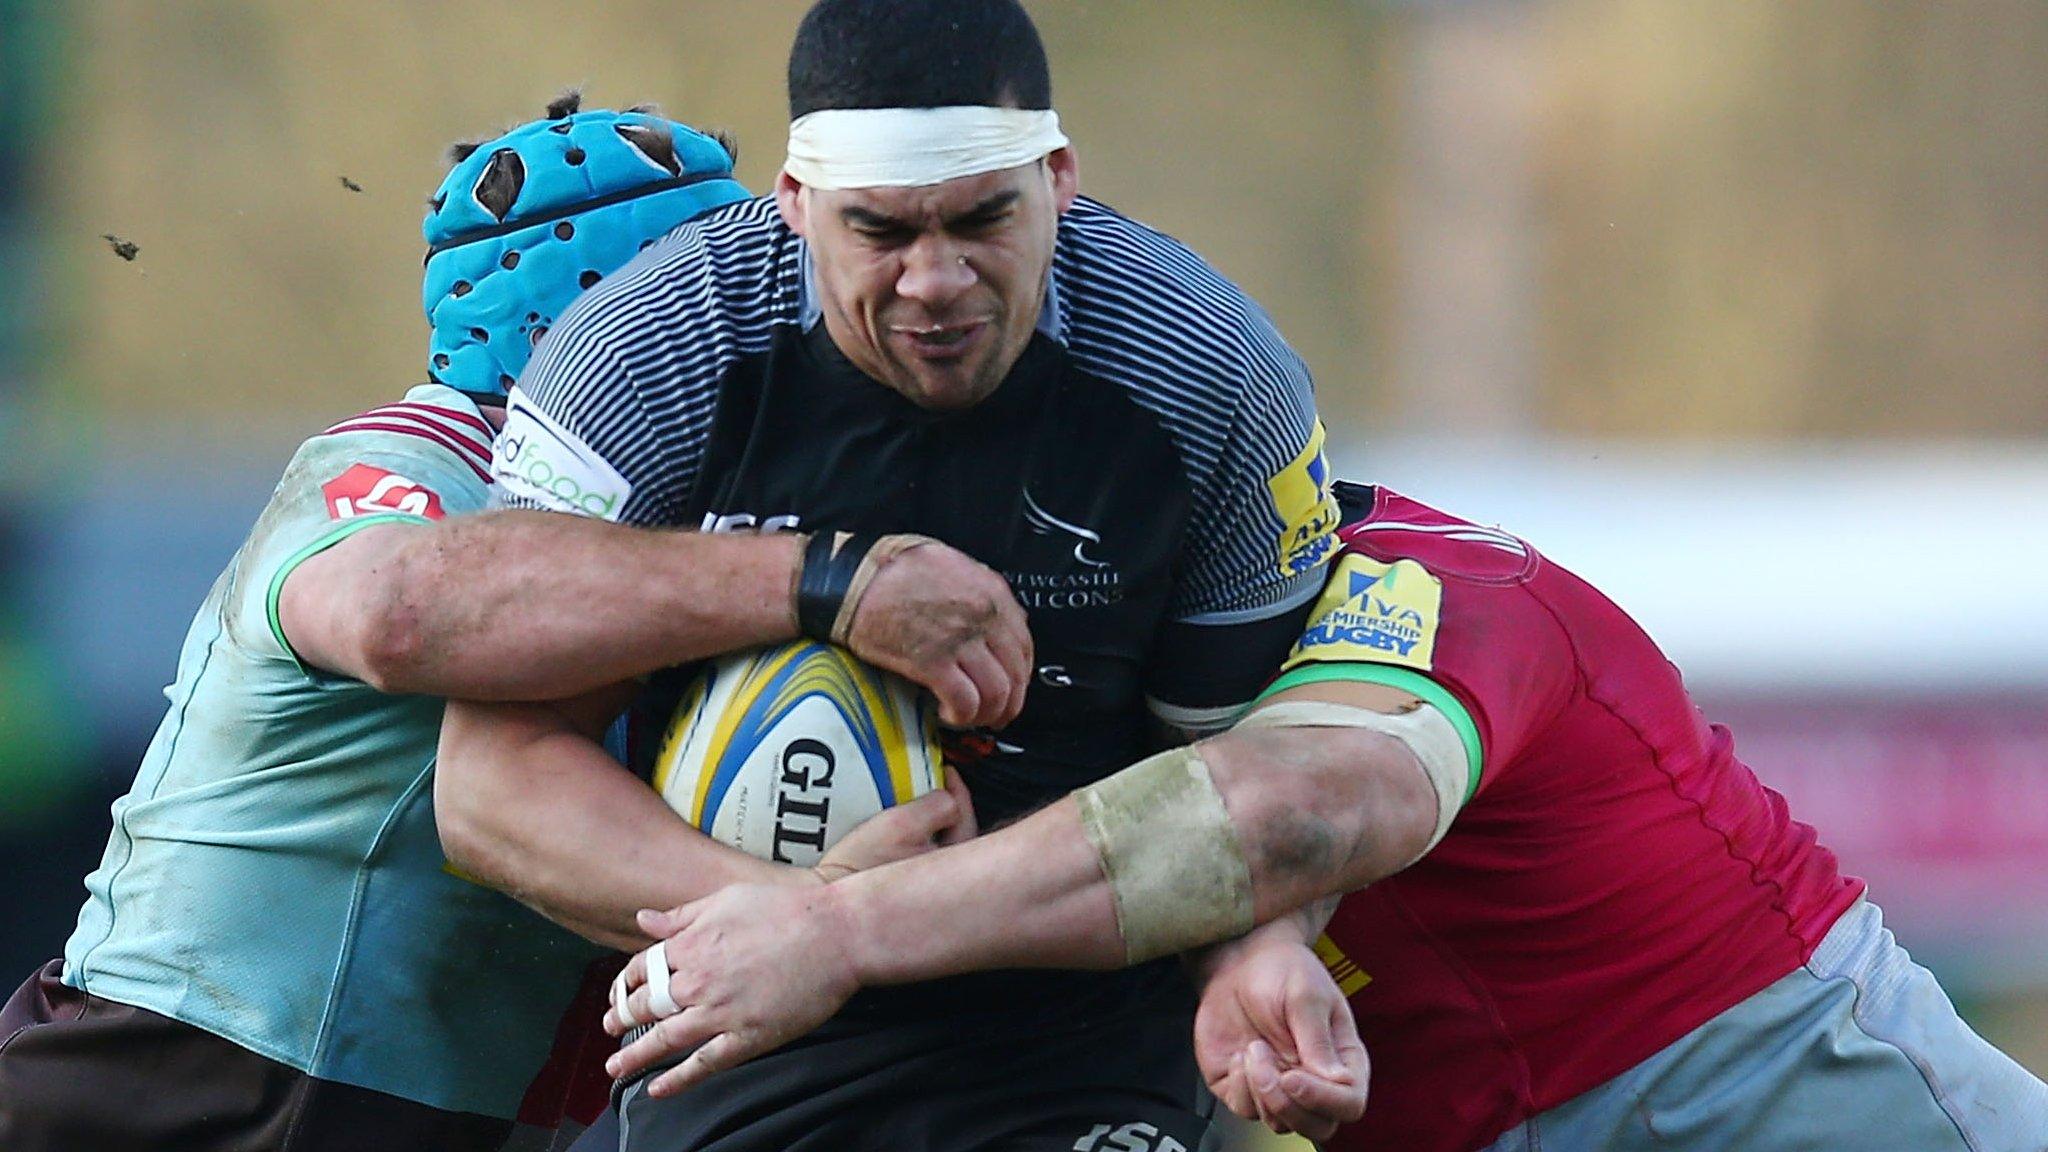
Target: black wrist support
x=831, y=561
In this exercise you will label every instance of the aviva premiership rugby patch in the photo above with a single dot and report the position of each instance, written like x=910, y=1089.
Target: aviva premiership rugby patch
x=1307, y=508
x=1374, y=613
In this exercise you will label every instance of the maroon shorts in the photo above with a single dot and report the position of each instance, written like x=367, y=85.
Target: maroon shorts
x=79, y=1073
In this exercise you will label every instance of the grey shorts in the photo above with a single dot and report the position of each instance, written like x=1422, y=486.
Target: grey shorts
x=1859, y=1050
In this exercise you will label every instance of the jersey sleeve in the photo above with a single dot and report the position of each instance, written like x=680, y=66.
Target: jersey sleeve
x=1260, y=537
x=1487, y=654
x=609, y=420
x=339, y=484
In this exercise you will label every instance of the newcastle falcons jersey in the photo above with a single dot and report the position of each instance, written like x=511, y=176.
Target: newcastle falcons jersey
x=1149, y=476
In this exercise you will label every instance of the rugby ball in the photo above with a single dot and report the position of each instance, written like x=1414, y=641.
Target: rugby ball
x=781, y=751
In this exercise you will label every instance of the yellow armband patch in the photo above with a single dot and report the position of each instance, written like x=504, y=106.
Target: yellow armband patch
x=1374, y=613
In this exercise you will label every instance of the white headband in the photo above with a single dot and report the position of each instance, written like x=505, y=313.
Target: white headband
x=915, y=147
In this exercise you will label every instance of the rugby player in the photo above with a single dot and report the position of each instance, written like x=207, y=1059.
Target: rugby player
x=925, y=333
x=272, y=954
x=1588, y=925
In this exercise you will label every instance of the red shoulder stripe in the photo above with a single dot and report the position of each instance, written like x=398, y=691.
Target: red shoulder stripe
x=464, y=451
x=439, y=419
x=466, y=419
x=480, y=449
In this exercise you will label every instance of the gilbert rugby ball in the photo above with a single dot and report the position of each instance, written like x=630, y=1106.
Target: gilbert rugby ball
x=781, y=751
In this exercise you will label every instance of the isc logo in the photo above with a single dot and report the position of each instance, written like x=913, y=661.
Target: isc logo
x=748, y=522
x=1134, y=1137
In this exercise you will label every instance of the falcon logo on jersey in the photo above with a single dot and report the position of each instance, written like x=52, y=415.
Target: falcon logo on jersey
x=1081, y=577
x=1374, y=613
x=1307, y=508
x=1046, y=524
x=367, y=491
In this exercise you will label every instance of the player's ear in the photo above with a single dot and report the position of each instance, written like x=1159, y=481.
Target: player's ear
x=790, y=201
x=1065, y=168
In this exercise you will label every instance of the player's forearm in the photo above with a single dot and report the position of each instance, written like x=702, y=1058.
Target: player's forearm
x=1029, y=895
x=1299, y=928
x=1314, y=813
x=522, y=605
x=544, y=815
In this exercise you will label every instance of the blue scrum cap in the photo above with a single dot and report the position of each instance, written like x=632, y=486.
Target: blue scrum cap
x=524, y=223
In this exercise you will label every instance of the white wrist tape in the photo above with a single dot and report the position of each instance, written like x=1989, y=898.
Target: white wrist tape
x=915, y=147
x=620, y=1003
x=1425, y=730
x=1175, y=869
x=660, y=1001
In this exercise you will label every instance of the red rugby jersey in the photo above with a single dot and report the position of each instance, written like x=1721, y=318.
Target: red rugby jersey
x=1619, y=877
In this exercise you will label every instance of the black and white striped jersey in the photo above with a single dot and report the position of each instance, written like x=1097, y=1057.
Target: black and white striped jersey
x=1149, y=477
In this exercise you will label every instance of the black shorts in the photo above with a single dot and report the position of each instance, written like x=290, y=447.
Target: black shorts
x=1039, y=1080
x=80, y=1073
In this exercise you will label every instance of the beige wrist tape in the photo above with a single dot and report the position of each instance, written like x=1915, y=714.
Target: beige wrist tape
x=1175, y=869
x=1425, y=731
x=871, y=565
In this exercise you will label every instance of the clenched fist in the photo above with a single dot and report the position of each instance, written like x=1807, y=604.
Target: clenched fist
x=925, y=611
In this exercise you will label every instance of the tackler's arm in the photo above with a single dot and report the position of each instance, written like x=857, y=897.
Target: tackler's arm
x=523, y=605
x=1322, y=790
x=527, y=801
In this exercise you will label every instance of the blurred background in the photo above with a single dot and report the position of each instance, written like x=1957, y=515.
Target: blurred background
x=1741, y=310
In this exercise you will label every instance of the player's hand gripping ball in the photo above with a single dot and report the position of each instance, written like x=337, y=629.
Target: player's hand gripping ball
x=782, y=751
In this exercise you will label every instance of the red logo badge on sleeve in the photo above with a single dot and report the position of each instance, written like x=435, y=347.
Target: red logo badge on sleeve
x=367, y=491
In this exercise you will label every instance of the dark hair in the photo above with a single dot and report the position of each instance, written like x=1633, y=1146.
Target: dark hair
x=917, y=54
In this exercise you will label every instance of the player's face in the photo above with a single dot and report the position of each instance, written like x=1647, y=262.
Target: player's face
x=935, y=291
